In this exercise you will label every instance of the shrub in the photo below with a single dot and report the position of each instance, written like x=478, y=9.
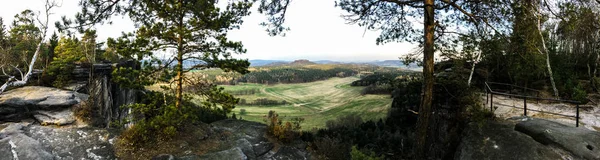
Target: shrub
x=157, y=118
x=348, y=121
x=358, y=155
x=88, y=113
x=331, y=148
x=579, y=94
x=285, y=132
x=243, y=112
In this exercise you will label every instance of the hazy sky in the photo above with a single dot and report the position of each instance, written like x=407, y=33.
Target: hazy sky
x=317, y=32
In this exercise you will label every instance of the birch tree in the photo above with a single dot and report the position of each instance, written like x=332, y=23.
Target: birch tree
x=14, y=81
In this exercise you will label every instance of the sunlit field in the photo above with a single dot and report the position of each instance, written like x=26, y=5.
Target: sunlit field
x=317, y=102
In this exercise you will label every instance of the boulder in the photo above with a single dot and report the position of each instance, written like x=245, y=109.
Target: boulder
x=498, y=140
x=246, y=135
x=44, y=142
x=14, y=144
x=579, y=141
x=17, y=104
x=60, y=118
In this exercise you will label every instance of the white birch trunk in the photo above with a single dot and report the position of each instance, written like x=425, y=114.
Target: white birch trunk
x=473, y=68
x=547, y=54
x=12, y=81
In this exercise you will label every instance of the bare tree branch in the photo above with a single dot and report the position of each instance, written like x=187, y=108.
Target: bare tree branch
x=473, y=18
x=13, y=82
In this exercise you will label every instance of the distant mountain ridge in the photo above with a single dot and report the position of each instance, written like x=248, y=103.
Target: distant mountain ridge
x=261, y=62
x=382, y=63
x=302, y=62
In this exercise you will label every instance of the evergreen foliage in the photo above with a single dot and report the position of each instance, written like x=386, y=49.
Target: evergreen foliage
x=294, y=75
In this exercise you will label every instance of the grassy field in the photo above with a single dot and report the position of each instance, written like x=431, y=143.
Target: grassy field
x=317, y=102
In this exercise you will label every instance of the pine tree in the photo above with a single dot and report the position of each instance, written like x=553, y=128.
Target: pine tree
x=195, y=31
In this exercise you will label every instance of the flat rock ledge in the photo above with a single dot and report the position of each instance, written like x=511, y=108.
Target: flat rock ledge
x=245, y=140
x=48, y=105
x=528, y=138
x=33, y=142
x=583, y=143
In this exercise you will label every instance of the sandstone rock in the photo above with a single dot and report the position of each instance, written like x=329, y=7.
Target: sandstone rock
x=17, y=104
x=287, y=152
x=581, y=142
x=60, y=118
x=14, y=144
x=248, y=136
x=164, y=157
x=44, y=142
x=498, y=140
x=37, y=96
x=19, y=146
x=233, y=153
x=239, y=139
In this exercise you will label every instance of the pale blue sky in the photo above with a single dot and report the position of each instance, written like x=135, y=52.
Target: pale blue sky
x=317, y=32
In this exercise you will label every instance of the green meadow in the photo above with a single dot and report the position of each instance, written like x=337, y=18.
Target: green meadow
x=316, y=102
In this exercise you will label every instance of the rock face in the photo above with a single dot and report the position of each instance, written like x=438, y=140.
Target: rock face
x=107, y=96
x=47, y=104
x=581, y=142
x=33, y=142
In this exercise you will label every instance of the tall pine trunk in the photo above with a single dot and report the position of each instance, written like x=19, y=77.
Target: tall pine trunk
x=179, y=69
x=425, y=109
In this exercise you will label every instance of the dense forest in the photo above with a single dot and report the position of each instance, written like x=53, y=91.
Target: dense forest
x=294, y=75
x=382, y=82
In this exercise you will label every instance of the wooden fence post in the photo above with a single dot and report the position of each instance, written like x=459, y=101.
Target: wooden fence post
x=525, y=106
x=577, y=116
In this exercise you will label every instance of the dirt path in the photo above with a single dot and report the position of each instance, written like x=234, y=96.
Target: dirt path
x=505, y=107
x=331, y=94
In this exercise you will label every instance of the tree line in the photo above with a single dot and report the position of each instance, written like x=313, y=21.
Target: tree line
x=262, y=102
x=382, y=82
x=294, y=75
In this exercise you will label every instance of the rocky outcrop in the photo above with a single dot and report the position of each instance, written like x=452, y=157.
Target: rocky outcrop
x=579, y=141
x=527, y=138
x=108, y=98
x=498, y=140
x=49, y=105
x=60, y=118
x=238, y=139
x=34, y=142
x=105, y=95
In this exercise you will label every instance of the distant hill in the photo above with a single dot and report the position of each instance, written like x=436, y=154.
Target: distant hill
x=260, y=62
x=277, y=64
x=382, y=63
x=388, y=63
x=328, y=62
x=302, y=62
